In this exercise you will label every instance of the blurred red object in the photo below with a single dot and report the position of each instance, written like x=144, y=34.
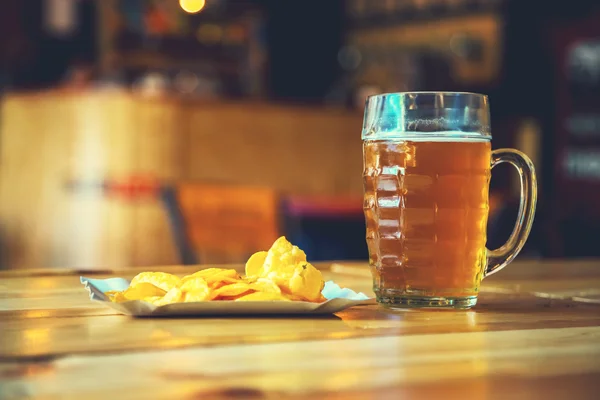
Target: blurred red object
x=134, y=187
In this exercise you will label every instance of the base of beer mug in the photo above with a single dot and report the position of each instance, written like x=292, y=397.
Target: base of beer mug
x=391, y=300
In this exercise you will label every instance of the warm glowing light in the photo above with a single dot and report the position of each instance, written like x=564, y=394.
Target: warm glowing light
x=192, y=6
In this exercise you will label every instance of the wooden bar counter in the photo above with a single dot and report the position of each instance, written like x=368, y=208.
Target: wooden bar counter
x=66, y=159
x=535, y=334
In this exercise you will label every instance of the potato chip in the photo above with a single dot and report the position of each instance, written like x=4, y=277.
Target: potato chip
x=265, y=285
x=250, y=279
x=218, y=283
x=293, y=297
x=216, y=277
x=136, y=292
x=173, y=296
x=255, y=263
x=195, y=289
x=162, y=280
x=307, y=282
x=303, y=279
x=152, y=299
x=194, y=284
x=210, y=272
x=232, y=290
x=262, y=296
x=141, y=290
x=192, y=297
x=282, y=254
x=285, y=265
x=281, y=260
x=115, y=296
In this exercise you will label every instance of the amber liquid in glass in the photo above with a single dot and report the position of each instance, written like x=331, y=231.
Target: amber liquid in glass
x=426, y=208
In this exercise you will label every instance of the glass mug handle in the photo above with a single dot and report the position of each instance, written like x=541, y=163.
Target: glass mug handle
x=501, y=257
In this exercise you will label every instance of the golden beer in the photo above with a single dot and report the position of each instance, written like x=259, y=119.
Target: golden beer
x=426, y=209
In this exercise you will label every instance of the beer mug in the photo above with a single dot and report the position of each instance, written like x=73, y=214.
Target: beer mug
x=427, y=164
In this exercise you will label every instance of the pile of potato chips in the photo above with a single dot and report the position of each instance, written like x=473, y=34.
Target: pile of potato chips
x=282, y=273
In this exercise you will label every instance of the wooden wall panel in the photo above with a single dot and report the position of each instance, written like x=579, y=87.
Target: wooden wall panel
x=50, y=139
x=299, y=151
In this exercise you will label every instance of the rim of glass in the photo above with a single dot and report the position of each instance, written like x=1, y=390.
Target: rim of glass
x=445, y=93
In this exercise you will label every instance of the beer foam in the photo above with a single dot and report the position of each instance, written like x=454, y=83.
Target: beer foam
x=442, y=136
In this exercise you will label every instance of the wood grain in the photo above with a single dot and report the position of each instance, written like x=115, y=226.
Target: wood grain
x=515, y=343
x=316, y=367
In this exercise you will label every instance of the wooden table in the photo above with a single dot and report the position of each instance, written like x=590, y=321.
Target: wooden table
x=534, y=334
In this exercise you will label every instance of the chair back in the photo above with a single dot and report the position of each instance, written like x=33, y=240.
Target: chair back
x=221, y=223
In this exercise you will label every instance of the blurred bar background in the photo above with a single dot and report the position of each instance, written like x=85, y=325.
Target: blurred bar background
x=147, y=132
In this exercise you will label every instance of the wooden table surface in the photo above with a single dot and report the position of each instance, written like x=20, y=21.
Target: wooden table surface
x=534, y=334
